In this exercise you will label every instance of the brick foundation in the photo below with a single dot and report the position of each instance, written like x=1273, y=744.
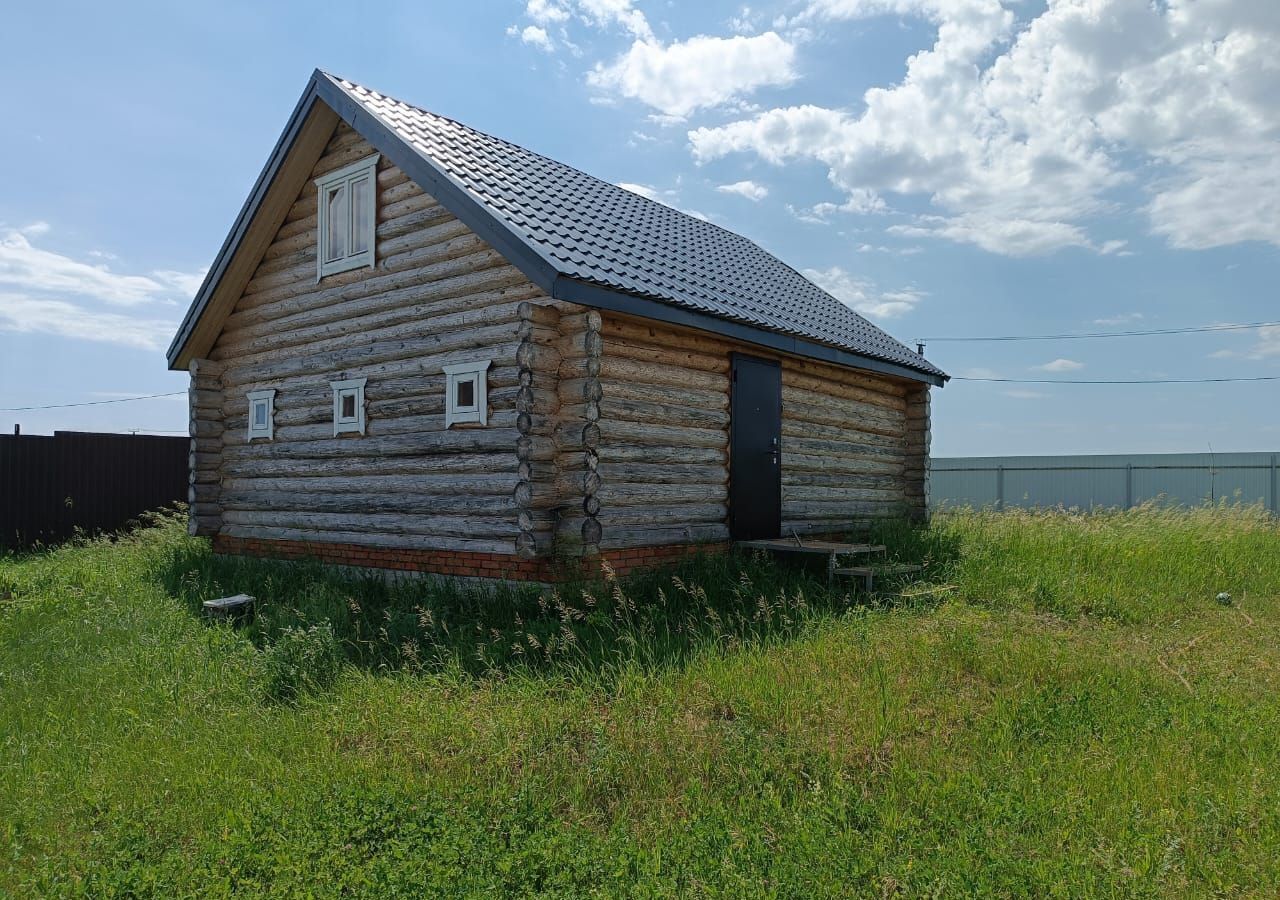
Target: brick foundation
x=460, y=563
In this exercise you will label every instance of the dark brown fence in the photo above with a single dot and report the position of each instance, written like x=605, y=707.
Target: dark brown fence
x=52, y=486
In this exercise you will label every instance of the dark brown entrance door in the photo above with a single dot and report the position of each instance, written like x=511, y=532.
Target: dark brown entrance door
x=755, y=437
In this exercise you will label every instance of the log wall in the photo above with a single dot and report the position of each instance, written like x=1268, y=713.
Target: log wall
x=854, y=447
x=436, y=295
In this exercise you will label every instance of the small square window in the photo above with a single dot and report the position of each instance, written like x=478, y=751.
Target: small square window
x=465, y=394
x=261, y=413
x=347, y=213
x=348, y=406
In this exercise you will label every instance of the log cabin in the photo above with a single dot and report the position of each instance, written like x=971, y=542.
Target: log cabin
x=428, y=349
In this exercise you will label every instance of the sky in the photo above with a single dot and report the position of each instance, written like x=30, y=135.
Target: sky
x=949, y=168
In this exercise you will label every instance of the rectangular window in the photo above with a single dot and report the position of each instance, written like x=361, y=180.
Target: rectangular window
x=348, y=406
x=261, y=413
x=465, y=393
x=347, y=217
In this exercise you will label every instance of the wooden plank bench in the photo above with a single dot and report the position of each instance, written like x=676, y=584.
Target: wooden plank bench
x=868, y=573
x=832, y=550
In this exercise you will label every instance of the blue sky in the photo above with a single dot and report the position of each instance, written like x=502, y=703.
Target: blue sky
x=948, y=167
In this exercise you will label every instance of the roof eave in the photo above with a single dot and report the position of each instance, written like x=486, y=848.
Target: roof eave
x=247, y=212
x=599, y=297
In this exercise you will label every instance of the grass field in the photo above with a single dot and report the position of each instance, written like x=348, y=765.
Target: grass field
x=1061, y=708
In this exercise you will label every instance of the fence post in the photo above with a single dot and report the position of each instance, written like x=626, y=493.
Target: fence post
x=1275, y=510
x=1000, y=488
x=1128, y=486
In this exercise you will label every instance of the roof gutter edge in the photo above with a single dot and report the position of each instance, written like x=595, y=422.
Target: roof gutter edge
x=574, y=290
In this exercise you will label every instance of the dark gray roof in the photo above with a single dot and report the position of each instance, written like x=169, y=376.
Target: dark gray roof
x=580, y=239
x=594, y=231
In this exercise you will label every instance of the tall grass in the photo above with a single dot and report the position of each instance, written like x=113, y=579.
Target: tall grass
x=1059, y=707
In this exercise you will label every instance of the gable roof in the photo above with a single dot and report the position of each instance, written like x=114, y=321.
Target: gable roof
x=582, y=239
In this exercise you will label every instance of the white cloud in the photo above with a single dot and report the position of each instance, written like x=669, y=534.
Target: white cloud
x=24, y=265
x=863, y=296
x=749, y=189
x=1120, y=319
x=703, y=72
x=30, y=315
x=644, y=190
x=536, y=35
x=43, y=291
x=1019, y=134
x=1266, y=346
x=675, y=78
x=545, y=12
x=1021, y=394
x=1060, y=365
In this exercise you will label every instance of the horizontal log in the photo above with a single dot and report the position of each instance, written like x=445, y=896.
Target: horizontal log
x=879, y=395
x=839, y=479
x=458, y=526
x=428, y=355
x=202, y=525
x=682, y=514
x=615, y=431
x=826, y=374
x=663, y=473
x=661, y=356
x=332, y=339
x=368, y=538
x=827, y=494
x=661, y=455
x=427, y=428
x=815, y=509
x=469, y=272
x=433, y=505
x=619, y=537
x=382, y=395
x=450, y=484
x=848, y=449
x=795, y=461
x=625, y=494
x=451, y=443
x=500, y=461
x=848, y=431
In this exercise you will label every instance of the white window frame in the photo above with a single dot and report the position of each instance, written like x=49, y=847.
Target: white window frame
x=459, y=373
x=365, y=168
x=267, y=431
x=349, y=386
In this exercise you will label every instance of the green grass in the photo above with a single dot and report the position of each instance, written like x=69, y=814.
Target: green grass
x=1059, y=708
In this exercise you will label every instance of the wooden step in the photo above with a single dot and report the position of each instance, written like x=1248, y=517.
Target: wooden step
x=868, y=574
x=890, y=569
x=827, y=548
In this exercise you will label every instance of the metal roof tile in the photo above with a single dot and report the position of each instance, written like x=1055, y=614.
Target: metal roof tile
x=598, y=232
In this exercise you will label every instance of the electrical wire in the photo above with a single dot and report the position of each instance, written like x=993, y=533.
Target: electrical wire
x=1082, y=335
x=1117, y=380
x=90, y=402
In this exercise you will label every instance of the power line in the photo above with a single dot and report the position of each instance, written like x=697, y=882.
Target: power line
x=1081, y=335
x=1118, y=380
x=89, y=402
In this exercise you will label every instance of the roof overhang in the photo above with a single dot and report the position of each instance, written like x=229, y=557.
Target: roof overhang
x=323, y=104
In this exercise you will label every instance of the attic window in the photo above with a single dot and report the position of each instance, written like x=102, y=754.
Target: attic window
x=347, y=214
x=261, y=414
x=466, y=397
x=348, y=406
